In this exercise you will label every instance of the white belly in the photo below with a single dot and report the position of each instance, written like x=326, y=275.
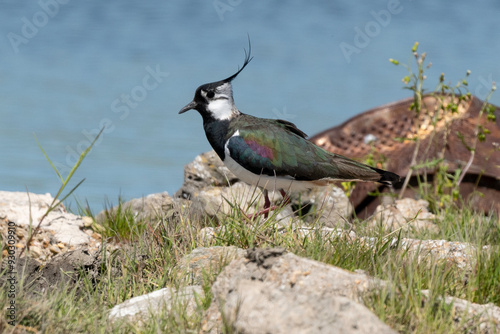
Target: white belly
x=270, y=183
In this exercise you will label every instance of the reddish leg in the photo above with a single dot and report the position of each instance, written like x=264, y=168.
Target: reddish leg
x=286, y=199
x=267, y=204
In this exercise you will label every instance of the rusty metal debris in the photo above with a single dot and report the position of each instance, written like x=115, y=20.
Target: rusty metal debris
x=445, y=133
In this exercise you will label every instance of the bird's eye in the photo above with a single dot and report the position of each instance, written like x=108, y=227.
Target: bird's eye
x=210, y=94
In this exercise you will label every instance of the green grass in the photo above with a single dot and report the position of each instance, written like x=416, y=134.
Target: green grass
x=147, y=259
x=120, y=223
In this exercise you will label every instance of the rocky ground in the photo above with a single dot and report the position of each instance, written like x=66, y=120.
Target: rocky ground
x=258, y=290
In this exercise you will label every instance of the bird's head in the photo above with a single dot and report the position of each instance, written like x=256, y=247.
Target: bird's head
x=215, y=100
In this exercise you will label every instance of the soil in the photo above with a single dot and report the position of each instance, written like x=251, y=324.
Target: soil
x=66, y=268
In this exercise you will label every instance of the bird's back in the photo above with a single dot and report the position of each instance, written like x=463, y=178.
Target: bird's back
x=278, y=148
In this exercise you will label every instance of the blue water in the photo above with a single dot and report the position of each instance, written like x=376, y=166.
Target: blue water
x=68, y=68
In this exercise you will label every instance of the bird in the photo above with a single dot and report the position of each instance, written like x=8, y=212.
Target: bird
x=272, y=154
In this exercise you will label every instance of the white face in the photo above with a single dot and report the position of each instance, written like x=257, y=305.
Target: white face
x=221, y=109
x=220, y=102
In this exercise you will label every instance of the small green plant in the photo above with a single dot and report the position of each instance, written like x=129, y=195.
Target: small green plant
x=348, y=187
x=443, y=190
x=120, y=223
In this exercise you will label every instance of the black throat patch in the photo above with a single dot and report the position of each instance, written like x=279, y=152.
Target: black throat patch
x=216, y=132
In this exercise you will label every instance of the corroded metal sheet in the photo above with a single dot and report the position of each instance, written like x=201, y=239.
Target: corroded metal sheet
x=376, y=132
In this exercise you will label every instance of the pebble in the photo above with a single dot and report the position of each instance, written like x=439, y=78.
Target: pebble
x=61, y=245
x=87, y=221
x=36, y=251
x=54, y=249
x=99, y=228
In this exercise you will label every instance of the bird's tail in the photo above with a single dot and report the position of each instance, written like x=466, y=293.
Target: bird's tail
x=387, y=178
x=348, y=169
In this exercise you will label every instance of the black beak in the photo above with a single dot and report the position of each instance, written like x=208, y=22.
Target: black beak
x=189, y=106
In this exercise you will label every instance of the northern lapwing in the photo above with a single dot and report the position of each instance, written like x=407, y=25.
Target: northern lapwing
x=272, y=154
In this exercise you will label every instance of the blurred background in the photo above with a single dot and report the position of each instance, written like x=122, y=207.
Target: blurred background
x=68, y=68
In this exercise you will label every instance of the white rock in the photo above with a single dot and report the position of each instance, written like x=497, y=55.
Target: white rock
x=269, y=291
x=406, y=214
x=487, y=315
x=27, y=209
x=221, y=201
x=141, y=307
x=329, y=205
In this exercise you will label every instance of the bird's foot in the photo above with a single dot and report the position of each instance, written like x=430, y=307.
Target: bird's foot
x=267, y=205
x=264, y=212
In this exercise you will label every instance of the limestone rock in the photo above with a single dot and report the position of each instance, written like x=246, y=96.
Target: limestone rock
x=406, y=214
x=486, y=315
x=206, y=170
x=153, y=206
x=289, y=271
x=207, y=259
x=273, y=292
x=208, y=235
x=222, y=201
x=327, y=205
x=454, y=253
x=140, y=308
x=66, y=227
x=218, y=200
x=259, y=307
